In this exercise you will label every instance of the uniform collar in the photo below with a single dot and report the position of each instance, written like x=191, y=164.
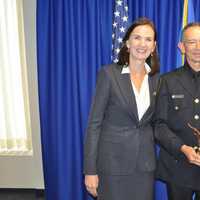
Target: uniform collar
x=190, y=71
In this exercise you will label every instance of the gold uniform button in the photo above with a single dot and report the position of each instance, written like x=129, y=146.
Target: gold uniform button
x=196, y=100
x=196, y=117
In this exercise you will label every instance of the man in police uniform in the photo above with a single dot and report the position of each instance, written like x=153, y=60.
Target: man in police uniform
x=177, y=114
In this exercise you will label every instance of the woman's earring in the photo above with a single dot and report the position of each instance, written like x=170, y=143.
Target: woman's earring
x=126, y=65
x=128, y=49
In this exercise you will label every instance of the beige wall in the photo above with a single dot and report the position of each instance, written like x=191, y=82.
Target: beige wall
x=26, y=171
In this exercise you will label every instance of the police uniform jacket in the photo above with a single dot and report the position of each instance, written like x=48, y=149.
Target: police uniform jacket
x=178, y=103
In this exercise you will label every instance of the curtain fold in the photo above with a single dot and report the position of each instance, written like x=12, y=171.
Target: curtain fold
x=196, y=4
x=73, y=39
x=15, y=129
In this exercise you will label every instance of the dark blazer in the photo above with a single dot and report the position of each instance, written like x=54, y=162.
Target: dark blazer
x=117, y=142
x=177, y=105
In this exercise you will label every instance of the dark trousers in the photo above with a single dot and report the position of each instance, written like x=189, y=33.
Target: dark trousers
x=181, y=193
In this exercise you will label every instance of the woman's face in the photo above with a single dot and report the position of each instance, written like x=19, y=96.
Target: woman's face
x=141, y=42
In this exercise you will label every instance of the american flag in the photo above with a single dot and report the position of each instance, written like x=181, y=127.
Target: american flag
x=120, y=24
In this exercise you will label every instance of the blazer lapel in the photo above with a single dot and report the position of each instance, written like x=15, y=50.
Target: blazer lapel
x=125, y=87
x=152, y=93
x=152, y=90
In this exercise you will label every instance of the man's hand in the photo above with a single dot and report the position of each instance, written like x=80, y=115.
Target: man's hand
x=91, y=182
x=191, y=155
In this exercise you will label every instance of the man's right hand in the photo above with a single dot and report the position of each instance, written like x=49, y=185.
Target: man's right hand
x=91, y=183
x=191, y=155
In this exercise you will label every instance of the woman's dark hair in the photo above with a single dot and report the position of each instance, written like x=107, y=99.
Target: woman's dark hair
x=123, y=56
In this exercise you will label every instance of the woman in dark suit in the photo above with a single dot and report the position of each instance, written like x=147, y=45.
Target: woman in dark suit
x=119, y=157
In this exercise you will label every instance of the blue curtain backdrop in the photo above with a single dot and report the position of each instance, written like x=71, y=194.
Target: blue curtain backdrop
x=74, y=40
x=196, y=4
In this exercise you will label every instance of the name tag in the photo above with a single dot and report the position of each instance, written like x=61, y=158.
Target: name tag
x=177, y=96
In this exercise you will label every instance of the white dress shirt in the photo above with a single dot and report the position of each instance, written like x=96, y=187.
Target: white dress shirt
x=142, y=98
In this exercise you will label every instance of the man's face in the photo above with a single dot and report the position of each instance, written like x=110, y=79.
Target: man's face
x=190, y=46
